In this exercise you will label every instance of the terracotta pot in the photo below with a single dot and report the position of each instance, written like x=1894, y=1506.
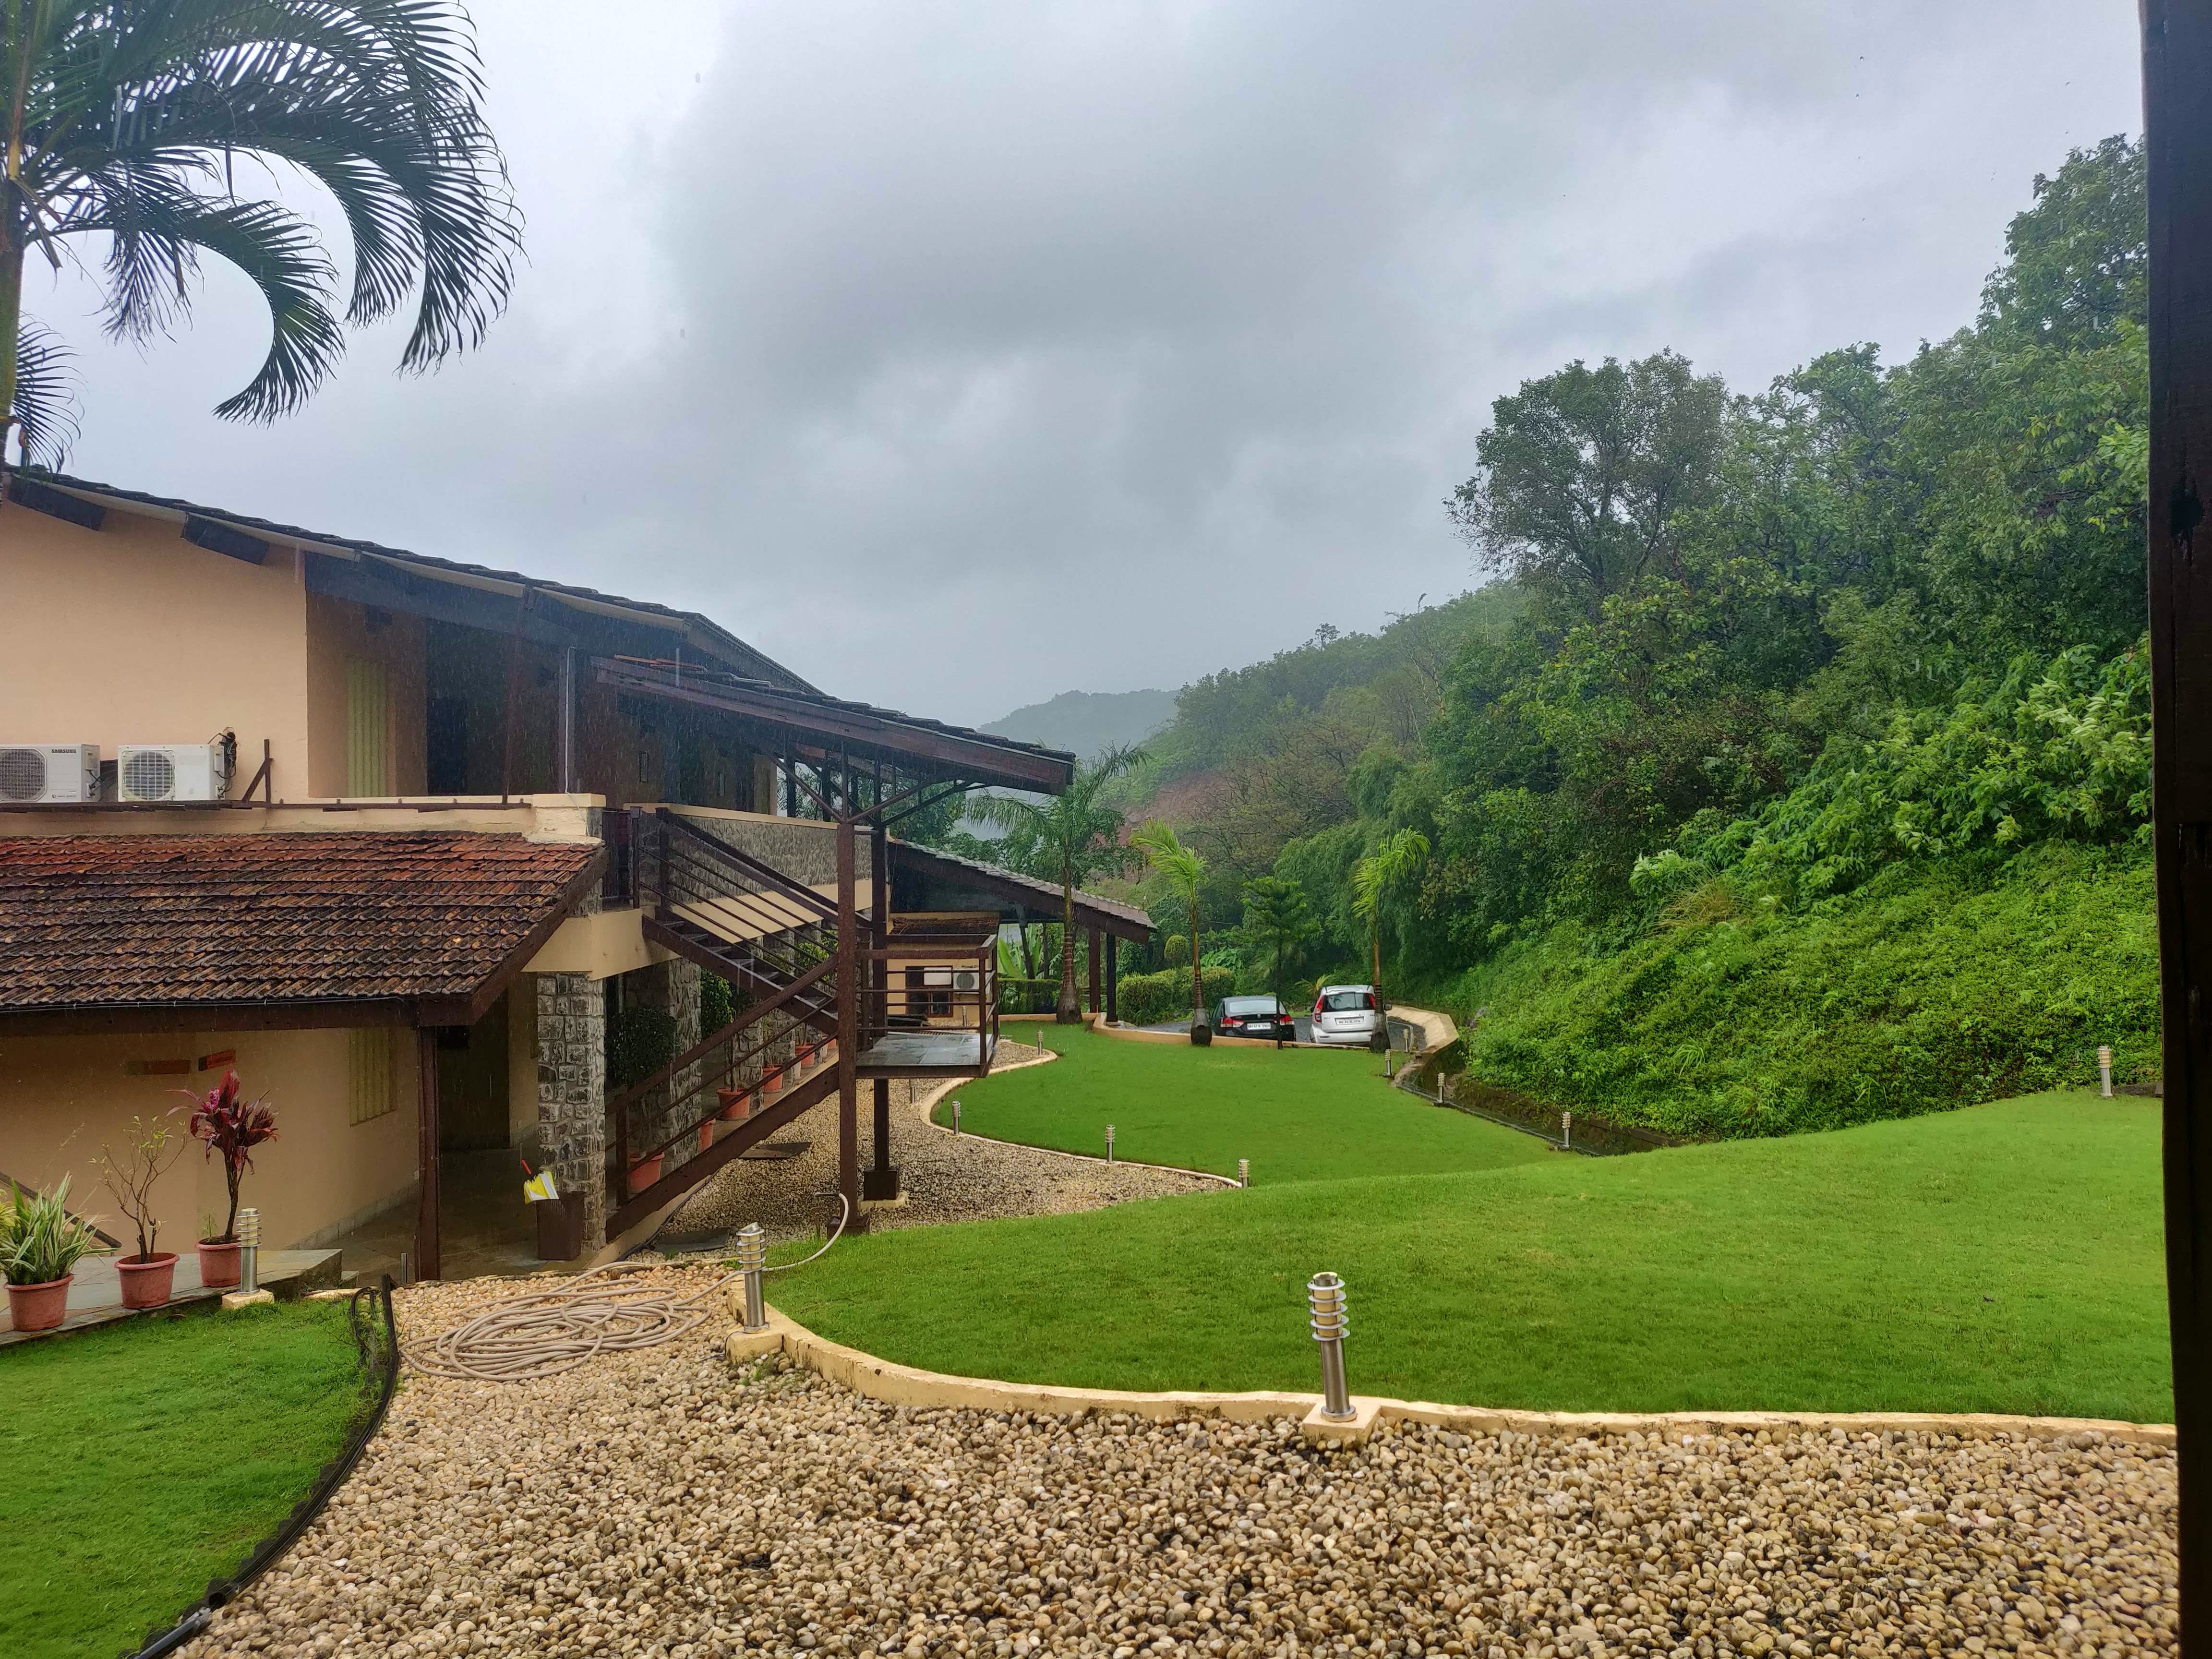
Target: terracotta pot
x=39, y=1307
x=218, y=1264
x=644, y=1173
x=772, y=1080
x=733, y=1105
x=149, y=1283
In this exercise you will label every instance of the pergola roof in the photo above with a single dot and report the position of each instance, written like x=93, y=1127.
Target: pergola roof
x=924, y=879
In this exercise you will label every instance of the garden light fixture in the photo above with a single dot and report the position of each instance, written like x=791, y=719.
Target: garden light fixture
x=752, y=1257
x=1244, y=1172
x=955, y=1117
x=2105, y=1069
x=1110, y=1143
x=1329, y=1322
x=249, y=1251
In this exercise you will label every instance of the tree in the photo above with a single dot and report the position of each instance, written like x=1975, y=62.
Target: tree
x=1181, y=870
x=128, y=119
x=1584, y=478
x=1374, y=878
x=1277, y=912
x=1077, y=835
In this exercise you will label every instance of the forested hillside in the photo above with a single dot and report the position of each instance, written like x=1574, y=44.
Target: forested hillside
x=1792, y=768
x=1087, y=723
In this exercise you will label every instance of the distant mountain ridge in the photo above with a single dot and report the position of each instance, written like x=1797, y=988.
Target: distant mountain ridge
x=1085, y=722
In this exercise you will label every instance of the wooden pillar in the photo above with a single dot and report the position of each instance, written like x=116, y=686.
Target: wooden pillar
x=1097, y=968
x=2178, y=142
x=882, y=1179
x=565, y=733
x=426, y=1264
x=1112, y=980
x=848, y=1022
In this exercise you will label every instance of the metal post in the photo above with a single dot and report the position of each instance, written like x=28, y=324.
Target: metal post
x=1244, y=1172
x=752, y=1257
x=1566, y=1131
x=249, y=1251
x=2105, y=1069
x=955, y=1117
x=1329, y=1323
x=1110, y=1143
x=849, y=1021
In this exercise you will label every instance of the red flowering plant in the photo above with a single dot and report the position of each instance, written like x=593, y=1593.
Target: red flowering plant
x=232, y=1127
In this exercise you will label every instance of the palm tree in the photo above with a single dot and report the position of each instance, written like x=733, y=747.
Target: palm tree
x=1277, y=911
x=129, y=120
x=1076, y=835
x=1373, y=878
x=1181, y=869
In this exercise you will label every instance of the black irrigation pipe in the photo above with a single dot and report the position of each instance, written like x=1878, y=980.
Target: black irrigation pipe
x=381, y=1374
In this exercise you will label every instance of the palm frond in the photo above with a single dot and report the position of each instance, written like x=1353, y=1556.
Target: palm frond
x=46, y=396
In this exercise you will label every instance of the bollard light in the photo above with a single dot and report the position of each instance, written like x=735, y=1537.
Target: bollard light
x=752, y=1257
x=1244, y=1172
x=2105, y=1068
x=1328, y=1321
x=249, y=1251
x=1566, y=1131
x=955, y=1117
x=1110, y=1143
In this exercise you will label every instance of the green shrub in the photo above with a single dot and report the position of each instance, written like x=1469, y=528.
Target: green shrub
x=1937, y=983
x=1154, y=999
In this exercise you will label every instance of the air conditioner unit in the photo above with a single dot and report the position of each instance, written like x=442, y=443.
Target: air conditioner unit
x=170, y=771
x=49, y=772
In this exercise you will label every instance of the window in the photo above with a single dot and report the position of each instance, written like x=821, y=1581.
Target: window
x=368, y=727
x=369, y=1090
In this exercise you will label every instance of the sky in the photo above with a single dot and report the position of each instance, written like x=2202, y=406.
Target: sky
x=957, y=355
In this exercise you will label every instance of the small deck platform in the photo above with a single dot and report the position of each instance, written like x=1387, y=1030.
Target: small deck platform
x=927, y=1053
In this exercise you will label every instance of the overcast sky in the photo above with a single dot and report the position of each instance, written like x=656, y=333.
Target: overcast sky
x=959, y=354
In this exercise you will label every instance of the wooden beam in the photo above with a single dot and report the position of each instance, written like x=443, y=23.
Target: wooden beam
x=848, y=1023
x=427, y=1239
x=2178, y=142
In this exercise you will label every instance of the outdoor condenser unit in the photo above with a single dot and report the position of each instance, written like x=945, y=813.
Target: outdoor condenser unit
x=49, y=772
x=170, y=771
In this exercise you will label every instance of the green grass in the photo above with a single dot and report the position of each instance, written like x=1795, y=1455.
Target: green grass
x=145, y=1458
x=1999, y=1258
x=1301, y=1115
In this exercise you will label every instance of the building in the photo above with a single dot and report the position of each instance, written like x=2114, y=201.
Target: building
x=466, y=838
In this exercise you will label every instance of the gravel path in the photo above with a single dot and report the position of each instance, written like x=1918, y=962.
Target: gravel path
x=663, y=1505
x=945, y=1177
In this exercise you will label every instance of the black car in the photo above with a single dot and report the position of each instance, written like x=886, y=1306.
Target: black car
x=1254, y=1017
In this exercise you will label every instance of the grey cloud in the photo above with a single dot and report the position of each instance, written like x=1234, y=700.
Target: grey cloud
x=1112, y=344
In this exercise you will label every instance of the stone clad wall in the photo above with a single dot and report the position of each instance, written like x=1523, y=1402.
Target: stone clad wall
x=572, y=1087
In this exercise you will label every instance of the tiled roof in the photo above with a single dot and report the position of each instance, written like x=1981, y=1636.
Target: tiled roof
x=119, y=921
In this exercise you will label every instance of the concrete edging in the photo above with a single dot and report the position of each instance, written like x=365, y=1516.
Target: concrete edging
x=909, y=1385
x=924, y=1104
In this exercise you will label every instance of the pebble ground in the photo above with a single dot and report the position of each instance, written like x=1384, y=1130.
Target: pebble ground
x=665, y=1504
x=945, y=1177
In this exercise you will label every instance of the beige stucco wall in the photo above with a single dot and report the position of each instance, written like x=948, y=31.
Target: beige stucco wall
x=129, y=633
x=337, y=630
x=62, y=1098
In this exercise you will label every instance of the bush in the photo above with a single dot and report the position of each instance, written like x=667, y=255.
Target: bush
x=1154, y=999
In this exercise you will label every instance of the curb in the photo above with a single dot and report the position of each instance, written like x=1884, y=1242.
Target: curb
x=908, y=1385
x=924, y=1104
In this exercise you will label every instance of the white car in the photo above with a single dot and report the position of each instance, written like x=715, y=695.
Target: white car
x=1349, y=1015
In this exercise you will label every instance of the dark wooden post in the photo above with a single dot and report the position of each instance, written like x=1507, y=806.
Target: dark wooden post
x=848, y=1023
x=1097, y=947
x=426, y=1264
x=882, y=1179
x=2177, y=142
x=1112, y=980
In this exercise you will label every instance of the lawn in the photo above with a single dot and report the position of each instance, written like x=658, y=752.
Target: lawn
x=1999, y=1258
x=145, y=1458
x=1299, y=1114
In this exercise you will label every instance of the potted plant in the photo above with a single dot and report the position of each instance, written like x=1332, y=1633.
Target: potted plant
x=643, y=1172
x=233, y=1126
x=149, y=1150
x=41, y=1242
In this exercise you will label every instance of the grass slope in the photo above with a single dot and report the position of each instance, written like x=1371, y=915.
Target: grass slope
x=1935, y=985
x=145, y=1458
x=2002, y=1258
x=1301, y=1115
